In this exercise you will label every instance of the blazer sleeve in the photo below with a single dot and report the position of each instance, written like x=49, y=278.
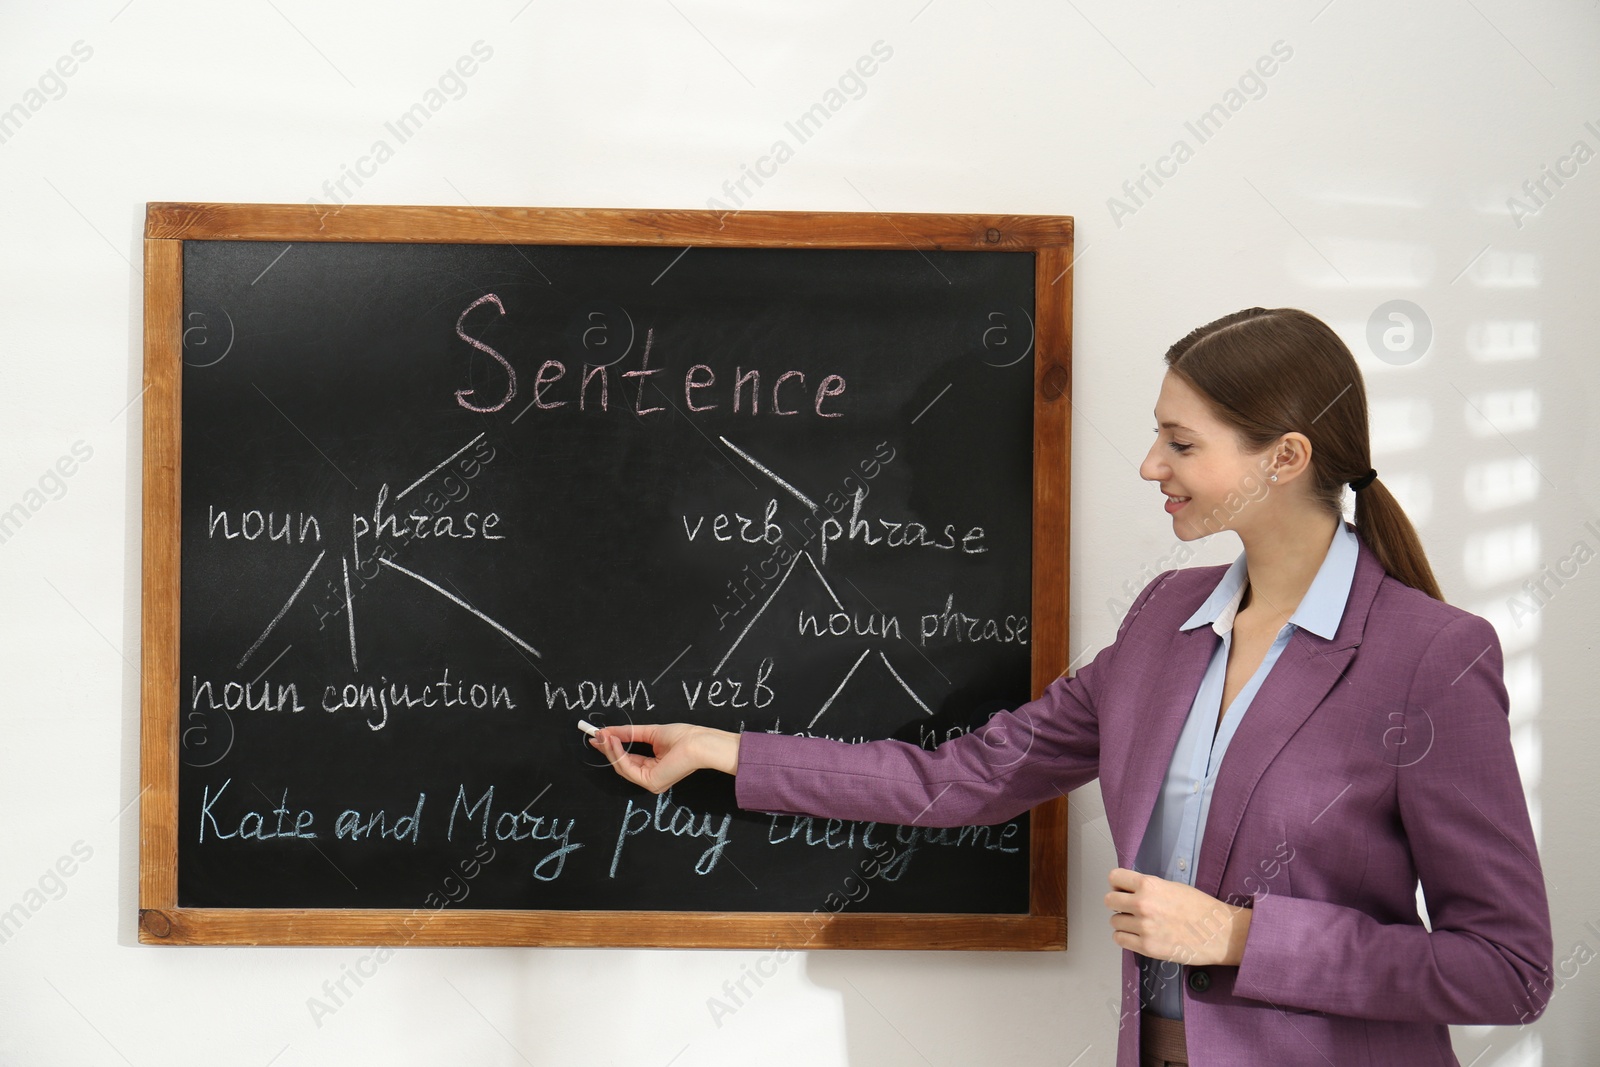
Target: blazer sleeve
x=1017, y=759
x=1487, y=959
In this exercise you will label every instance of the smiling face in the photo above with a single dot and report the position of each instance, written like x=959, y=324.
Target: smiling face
x=1211, y=484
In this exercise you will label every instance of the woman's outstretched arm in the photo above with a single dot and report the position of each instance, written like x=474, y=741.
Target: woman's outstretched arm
x=1041, y=750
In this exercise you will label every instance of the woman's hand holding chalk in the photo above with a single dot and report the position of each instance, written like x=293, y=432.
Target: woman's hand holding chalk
x=680, y=750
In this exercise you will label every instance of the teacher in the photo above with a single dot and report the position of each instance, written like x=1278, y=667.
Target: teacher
x=1287, y=746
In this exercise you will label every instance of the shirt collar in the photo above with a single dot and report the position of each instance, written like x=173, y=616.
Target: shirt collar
x=1320, y=609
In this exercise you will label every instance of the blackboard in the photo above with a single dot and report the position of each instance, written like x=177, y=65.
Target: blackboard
x=435, y=500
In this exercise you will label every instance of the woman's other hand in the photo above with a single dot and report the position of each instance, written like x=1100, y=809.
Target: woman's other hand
x=680, y=750
x=1167, y=920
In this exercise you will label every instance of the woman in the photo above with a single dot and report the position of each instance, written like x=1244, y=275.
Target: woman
x=1266, y=902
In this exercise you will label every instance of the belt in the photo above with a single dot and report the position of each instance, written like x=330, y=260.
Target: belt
x=1161, y=1041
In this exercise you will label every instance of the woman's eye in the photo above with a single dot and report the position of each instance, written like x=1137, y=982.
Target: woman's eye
x=1174, y=445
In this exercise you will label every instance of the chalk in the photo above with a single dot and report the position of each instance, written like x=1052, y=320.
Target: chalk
x=588, y=728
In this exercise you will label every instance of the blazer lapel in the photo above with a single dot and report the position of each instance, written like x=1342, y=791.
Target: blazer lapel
x=1306, y=671
x=1160, y=720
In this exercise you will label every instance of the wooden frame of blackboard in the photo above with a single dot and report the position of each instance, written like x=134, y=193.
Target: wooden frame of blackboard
x=169, y=225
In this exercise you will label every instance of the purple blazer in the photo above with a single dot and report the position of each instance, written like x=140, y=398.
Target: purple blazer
x=1365, y=763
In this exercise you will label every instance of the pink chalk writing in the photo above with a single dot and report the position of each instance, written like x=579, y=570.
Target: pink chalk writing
x=511, y=374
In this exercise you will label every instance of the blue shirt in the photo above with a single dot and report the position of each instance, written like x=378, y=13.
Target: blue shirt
x=1171, y=846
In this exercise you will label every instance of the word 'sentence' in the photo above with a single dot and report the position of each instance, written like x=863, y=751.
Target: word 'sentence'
x=589, y=385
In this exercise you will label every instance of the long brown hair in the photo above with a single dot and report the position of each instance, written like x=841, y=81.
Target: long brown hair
x=1272, y=371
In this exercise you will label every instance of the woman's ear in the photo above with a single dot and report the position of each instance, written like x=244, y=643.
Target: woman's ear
x=1291, y=457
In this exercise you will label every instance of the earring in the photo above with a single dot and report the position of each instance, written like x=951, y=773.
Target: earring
x=1272, y=478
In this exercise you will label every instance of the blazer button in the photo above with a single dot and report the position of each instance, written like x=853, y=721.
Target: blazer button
x=1199, y=980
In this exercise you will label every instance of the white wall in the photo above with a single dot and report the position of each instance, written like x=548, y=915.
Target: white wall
x=1376, y=165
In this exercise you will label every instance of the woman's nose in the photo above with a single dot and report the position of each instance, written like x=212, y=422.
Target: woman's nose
x=1151, y=470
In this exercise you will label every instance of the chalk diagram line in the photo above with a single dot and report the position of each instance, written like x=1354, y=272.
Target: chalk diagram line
x=764, y=605
x=349, y=595
x=787, y=487
x=457, y=600
x=271, y=665
x=902, y=682
x=283, y=610
x=439, y=468
x=911, y=644
x=349, y=612
x=818, y=571
x=798, y=495
x=803, y=554
x=674, y=662
x=452, y=597
x=758, y=465
x=840, y=688
x=851, y=672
